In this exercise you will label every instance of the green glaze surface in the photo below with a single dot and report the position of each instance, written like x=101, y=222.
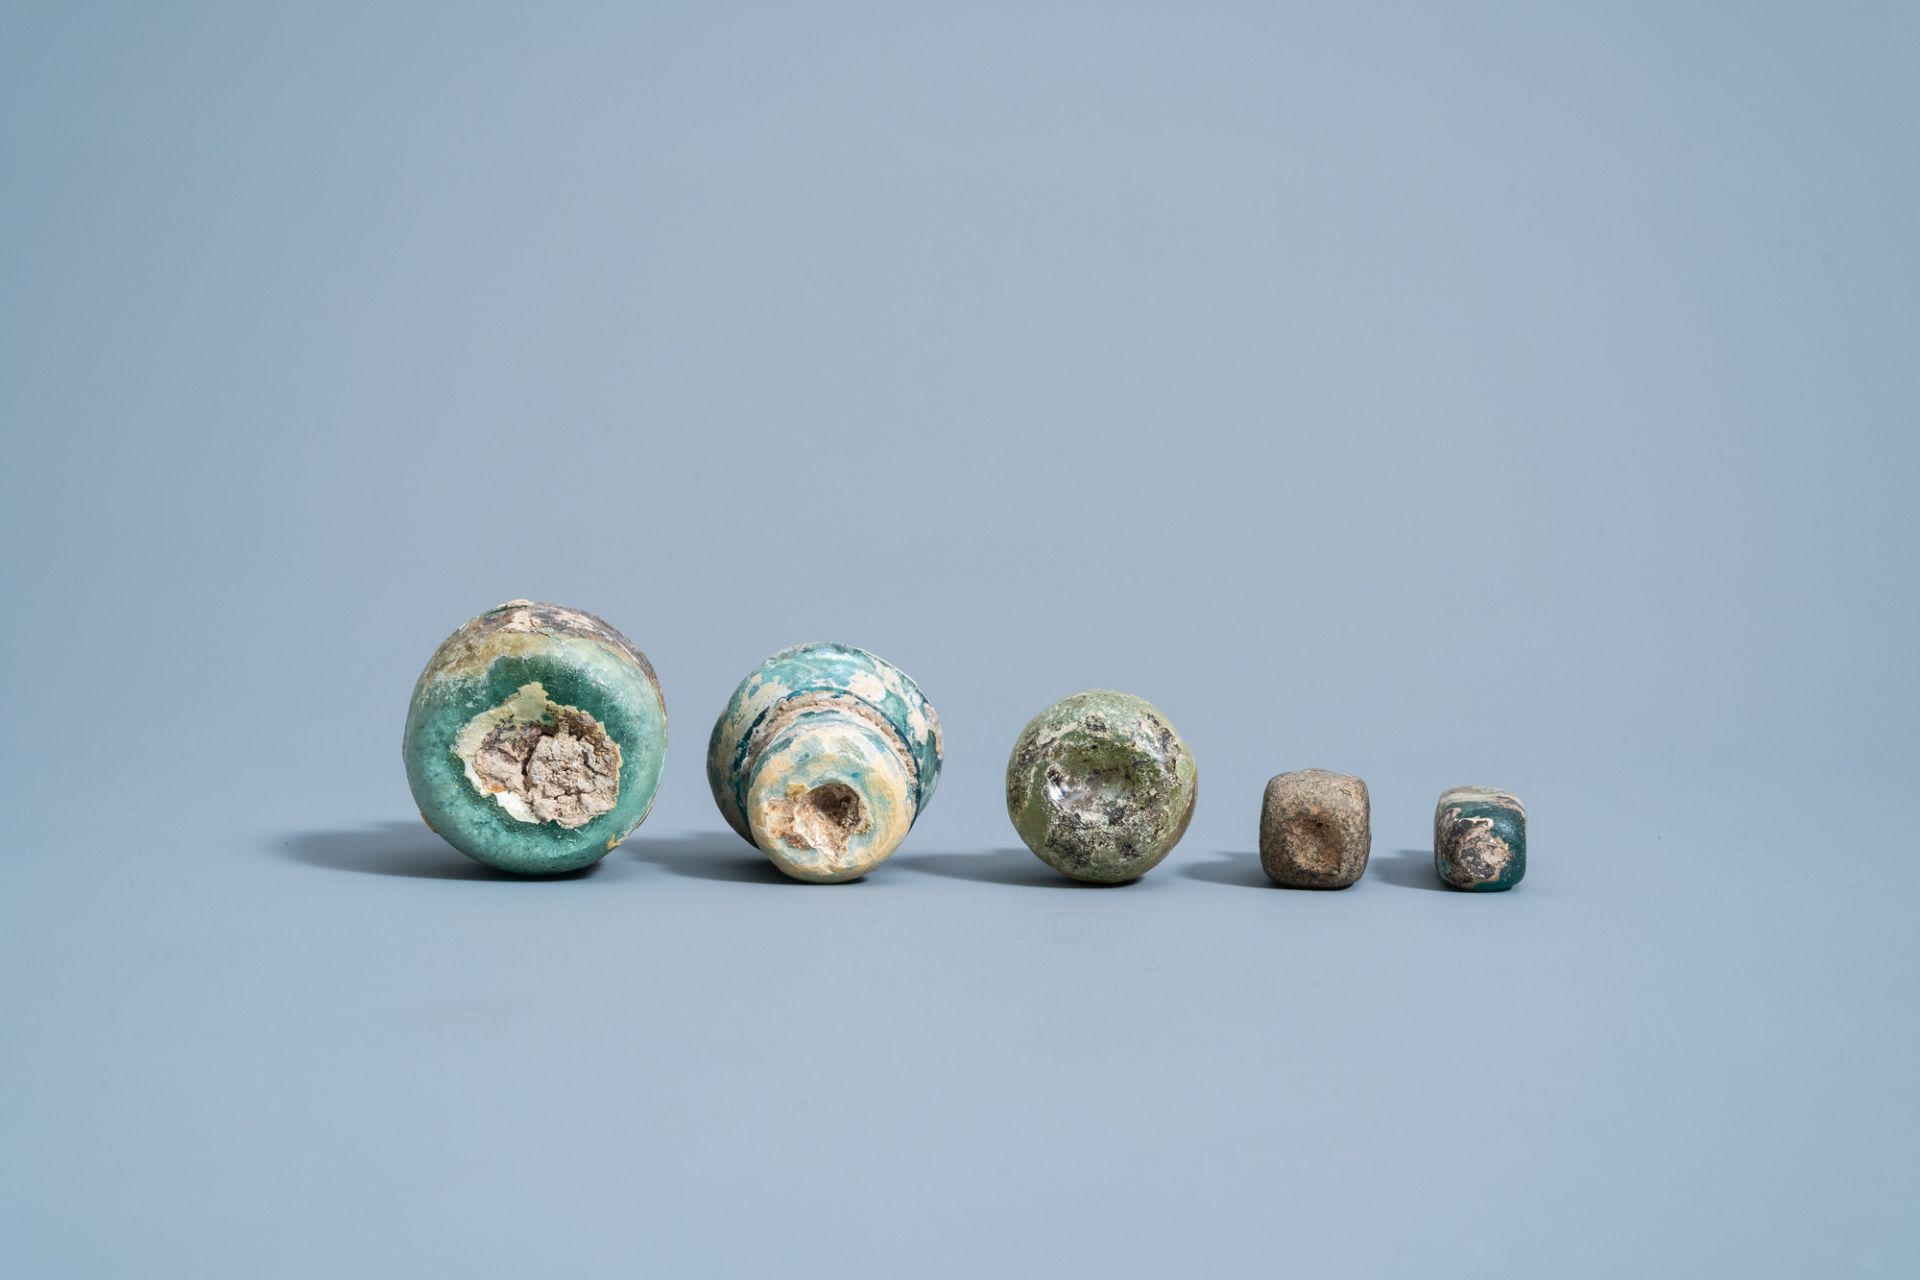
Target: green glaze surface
x=1100, y=786
x=1480, y=839
x=542, y=667
x=823, y=760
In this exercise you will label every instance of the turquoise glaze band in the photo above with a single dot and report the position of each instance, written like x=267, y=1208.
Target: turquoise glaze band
x=535, y=739
x=823, y=759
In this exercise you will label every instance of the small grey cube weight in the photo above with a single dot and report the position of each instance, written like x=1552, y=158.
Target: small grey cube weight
x=1315, y=829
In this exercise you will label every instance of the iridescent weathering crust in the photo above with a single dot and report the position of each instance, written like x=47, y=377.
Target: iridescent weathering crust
x=535, y=738
x=1100, y=786
x=1480, y=839
x=823, y=760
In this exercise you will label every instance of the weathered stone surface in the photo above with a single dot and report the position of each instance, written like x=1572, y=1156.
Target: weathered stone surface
x=1480, y=839
x=823, y=759
x=535, y=738
x=1100, y=786
x=1315, y=829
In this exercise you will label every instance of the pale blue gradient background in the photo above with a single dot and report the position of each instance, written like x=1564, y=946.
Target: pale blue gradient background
x=1446, y=394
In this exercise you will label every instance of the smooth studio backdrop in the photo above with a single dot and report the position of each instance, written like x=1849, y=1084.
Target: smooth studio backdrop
x=1517, y=395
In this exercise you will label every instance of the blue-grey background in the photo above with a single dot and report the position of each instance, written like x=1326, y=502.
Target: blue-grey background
x=1521, y=395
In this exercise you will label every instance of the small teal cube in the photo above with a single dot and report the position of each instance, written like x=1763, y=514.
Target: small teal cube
x=1480, y=839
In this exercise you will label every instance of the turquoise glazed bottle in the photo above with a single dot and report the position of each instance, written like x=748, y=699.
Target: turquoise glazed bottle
x=1101, y=786
x=1480, y=839
x=535, y=738
x=823, y=759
